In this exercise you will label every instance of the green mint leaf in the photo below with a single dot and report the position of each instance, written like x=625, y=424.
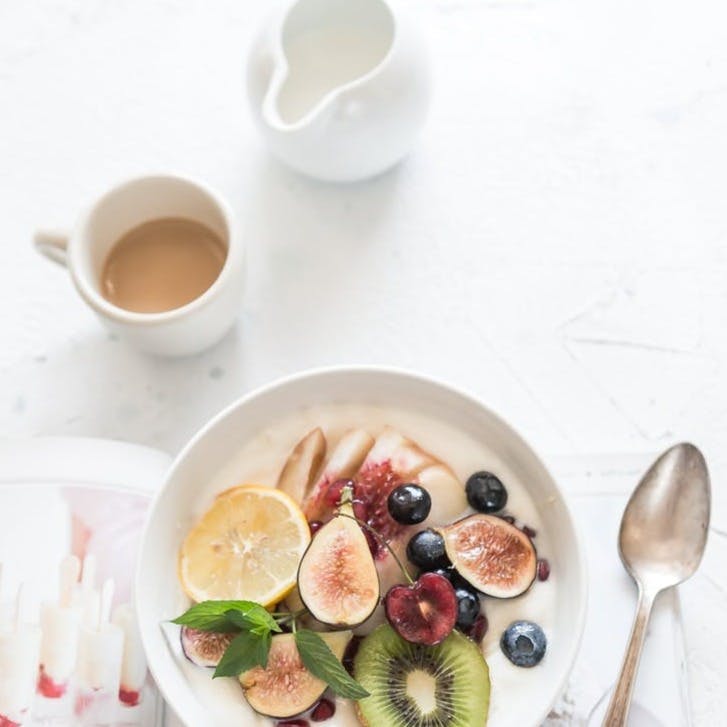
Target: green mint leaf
x=213, y=616
x=256, y=619
x=320, y=661
x=247, y=650
x=210, y=615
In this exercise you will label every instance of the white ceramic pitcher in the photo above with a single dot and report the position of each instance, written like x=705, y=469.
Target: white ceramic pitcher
x=339, y=88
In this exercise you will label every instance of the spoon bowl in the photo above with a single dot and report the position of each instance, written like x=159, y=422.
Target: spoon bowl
x=661, y=543
x=664, y=527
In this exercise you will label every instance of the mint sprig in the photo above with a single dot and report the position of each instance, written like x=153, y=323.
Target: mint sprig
x=246, y=651
x=255, y=627
x=321, y=662
x=227, y=617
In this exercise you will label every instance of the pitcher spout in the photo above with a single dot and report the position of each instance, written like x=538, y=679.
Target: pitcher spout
x=324, y=47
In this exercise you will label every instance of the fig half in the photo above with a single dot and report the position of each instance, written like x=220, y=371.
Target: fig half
x=204, y=648
x=495, y=557
x=285, y=687
x=337, y=578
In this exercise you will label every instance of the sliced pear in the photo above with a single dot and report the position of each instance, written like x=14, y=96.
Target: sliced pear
x=302, y=465
x=344, y=462
x=348, y=455
x=406, y=457
x=285, y=687
x=337, y=578
x=449, y=499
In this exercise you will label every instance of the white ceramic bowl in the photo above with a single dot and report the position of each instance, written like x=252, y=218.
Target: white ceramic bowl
x=158, y=595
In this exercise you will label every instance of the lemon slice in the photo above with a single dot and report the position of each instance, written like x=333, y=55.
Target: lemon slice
x=247, y=546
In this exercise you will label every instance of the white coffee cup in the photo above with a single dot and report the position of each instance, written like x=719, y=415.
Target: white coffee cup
x=178, y=332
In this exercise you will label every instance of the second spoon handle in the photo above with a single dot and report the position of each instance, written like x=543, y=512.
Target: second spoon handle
x=618, y=708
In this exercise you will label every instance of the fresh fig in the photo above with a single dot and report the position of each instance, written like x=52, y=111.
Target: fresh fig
x=302, y=465
x=337, y=578
x=204, y=648
x=285, y=687
x=493, y=556
x=294, y=604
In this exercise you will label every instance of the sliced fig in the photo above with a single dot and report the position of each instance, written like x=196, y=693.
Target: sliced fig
x=302, y=465
x=337, y=577
x=495, y=557
x=204, y=648
x=285, y=687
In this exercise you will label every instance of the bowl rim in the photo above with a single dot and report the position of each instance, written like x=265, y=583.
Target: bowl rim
x=578, y=556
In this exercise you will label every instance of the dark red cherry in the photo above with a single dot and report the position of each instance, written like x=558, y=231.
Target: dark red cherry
x=424, y=612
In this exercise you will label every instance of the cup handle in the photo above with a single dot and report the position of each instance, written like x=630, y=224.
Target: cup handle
x=53, y=244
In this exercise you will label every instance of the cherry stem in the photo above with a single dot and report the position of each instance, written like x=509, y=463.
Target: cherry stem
x=381, y=540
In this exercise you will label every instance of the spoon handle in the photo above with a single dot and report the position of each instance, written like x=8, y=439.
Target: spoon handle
x=618, y=708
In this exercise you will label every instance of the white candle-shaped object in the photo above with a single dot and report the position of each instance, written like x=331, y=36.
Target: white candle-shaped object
x=133, y=667
x=19, y=654
x=59, y=624
x=88, y=595
x=7, y=608
x=101, y=648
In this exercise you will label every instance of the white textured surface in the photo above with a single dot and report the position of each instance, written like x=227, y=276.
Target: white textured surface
x=556, y=243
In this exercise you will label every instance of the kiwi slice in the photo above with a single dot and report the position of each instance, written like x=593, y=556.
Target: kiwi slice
x=411, y=685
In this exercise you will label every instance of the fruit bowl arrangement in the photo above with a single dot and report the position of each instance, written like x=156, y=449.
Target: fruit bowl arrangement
x=370, y=581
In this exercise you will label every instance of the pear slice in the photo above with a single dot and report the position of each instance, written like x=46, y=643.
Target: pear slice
x=347, y=455
x=405, y=456
x=449, y=499
x=302, y=465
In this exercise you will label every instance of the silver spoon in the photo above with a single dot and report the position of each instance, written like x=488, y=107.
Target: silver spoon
x=661, y=543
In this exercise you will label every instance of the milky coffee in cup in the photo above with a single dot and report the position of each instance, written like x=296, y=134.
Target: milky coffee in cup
x=162, y=264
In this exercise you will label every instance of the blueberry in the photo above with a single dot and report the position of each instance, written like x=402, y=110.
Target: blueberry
x=477, y=631
x=409, y=504
x=426, y=550
x=449, y=573
x=468, y=607
x=524, y=643
x=485, y=492
x=454, y=578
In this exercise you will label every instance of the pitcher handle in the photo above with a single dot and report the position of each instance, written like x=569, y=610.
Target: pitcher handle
x=53, y=244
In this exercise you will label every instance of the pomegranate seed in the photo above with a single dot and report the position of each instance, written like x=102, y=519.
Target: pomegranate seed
x=507, y=518
x=315, y=526
x=543, y=570
x=529, y=531
x=293, y=723
x=477, y=631
x=325, y=709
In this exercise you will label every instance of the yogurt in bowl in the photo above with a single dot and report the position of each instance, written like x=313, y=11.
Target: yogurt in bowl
x=250, y=442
